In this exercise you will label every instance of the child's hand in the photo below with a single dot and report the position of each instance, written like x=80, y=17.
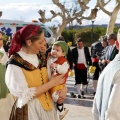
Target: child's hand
x=52, y=65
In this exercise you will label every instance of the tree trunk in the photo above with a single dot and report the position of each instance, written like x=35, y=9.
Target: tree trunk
x=61, y=28
x=113, y=17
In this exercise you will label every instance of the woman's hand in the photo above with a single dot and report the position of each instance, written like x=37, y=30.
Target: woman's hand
x=54, y=81
x=57, y=79
x=62, y=95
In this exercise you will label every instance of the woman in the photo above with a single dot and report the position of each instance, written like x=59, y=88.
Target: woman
x=104, y=42
x=6, y=100
x=96, y=48
x=3, y=60
x=26, y=75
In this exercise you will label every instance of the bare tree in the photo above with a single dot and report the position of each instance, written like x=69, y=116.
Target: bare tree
x=69, y=15
x=113, y=14
x=76, y=12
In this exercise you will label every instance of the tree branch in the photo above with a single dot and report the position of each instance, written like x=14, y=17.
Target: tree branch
x=83, y=4
x=101, y=4
x=62, y=7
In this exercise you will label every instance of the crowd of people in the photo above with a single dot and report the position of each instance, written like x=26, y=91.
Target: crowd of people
x=33, y=77
x=106, y=101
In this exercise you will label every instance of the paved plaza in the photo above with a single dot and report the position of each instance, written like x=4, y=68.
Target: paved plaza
x=79, y=109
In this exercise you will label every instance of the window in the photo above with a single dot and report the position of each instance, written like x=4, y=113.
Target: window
x=46, y=33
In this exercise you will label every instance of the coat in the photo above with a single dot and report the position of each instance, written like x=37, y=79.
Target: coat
x=87, y=55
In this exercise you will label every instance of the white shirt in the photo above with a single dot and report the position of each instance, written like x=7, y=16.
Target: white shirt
x=18, y=85
x=81, y=56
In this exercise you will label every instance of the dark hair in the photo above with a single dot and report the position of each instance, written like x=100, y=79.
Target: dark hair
x=112, y=36
x=61, y=38
x=35, y=37
x=103, y=38
x=79, y=40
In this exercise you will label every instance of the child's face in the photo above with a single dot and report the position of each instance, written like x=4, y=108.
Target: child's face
x=57, y=51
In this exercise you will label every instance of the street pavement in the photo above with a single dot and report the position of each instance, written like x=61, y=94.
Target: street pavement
x=79, y=109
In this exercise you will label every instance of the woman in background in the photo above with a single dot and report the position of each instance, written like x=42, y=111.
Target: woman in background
x=6, y=100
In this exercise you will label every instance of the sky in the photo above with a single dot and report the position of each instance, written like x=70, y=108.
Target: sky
x=27, y=10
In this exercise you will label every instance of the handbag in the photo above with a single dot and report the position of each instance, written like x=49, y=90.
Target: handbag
x=19, y=113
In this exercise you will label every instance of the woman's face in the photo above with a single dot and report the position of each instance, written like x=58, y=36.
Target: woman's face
x=37, y=45
x=104, y=44
x=1, y=40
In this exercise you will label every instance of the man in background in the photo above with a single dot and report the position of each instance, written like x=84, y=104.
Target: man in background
x=81, y=58
x=111, y=49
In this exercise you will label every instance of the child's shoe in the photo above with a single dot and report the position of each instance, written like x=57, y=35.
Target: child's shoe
x=61, y=110
x=63, y=113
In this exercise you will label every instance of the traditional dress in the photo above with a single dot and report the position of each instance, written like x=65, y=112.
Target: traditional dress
x=6, y=99
x=28, y=72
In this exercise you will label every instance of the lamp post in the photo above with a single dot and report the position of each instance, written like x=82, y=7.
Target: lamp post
x=92, y=31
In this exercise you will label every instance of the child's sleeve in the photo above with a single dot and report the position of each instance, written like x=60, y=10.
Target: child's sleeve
x=62, y=69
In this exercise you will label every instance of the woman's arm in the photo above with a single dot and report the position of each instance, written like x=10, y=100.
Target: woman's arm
x=54, y=81
x=62, y=95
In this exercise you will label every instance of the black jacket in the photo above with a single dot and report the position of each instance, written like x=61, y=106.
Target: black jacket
x=87, y=55
x=96, y=48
